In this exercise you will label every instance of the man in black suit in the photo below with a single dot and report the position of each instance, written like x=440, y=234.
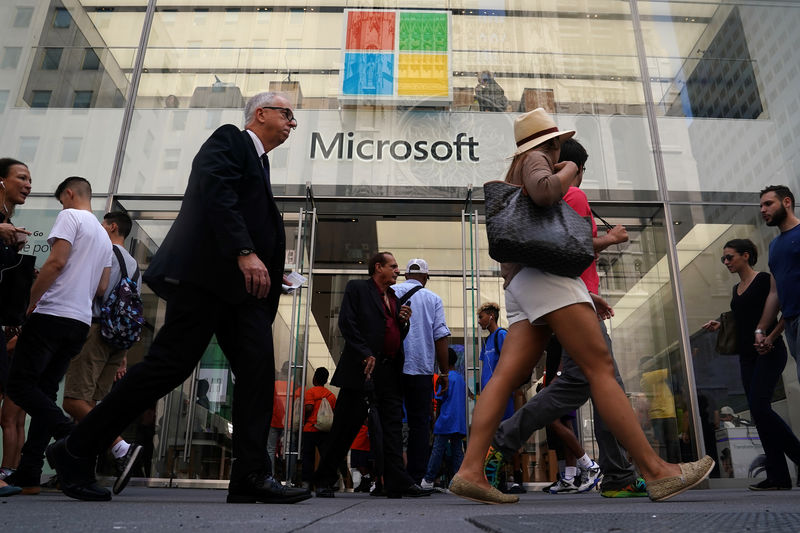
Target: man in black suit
x=373, y=325
x=220, y=269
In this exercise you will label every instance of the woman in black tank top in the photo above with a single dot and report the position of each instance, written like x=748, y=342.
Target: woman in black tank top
x=755, y=301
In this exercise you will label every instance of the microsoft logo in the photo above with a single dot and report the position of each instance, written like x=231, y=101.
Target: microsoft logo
x=397, y=56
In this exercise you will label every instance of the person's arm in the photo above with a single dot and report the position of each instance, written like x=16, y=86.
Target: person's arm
x=768, y=315
x=545, y=186
x=442, y=360
x=616, y=235
x=604, y=310
x=103, y=284
x=52, y=268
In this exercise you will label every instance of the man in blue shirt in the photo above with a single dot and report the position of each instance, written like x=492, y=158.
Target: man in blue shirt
x=425, y=344
x=451, y=425
x=777, y=209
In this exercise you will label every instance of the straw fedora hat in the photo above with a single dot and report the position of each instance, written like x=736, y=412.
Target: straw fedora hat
x=534, y=128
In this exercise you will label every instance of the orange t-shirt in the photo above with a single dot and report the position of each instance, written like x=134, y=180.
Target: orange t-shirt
x=314, y=396
x=278, y=408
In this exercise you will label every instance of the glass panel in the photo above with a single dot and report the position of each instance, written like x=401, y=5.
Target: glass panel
x=42, y=56
x=721, y=75
x=703, y=232
x=581, y=67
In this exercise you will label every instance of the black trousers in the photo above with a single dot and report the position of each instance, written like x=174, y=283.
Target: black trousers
x=244, y=332
x=418, y=395
x=350, y=414
x=312, y=441
x=44, y=349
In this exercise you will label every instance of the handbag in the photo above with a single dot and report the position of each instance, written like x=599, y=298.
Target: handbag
x=16, y=279
x=726, y=335
x=554, y=239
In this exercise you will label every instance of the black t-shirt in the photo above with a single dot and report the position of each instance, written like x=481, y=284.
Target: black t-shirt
x=7, y=253
x=747, y=310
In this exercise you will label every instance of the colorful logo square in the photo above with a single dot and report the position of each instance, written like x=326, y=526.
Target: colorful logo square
x=397, y=55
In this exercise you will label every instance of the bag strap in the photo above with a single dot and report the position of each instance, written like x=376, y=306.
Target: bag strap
x=605, y=223
x=407, y=296
x=496, y=346
x=123, y=268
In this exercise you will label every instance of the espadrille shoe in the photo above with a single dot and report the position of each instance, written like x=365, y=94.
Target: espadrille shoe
x=471, y=491
x=691, y=475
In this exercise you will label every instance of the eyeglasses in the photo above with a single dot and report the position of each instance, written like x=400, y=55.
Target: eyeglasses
x=726, y=257
x=285, y=111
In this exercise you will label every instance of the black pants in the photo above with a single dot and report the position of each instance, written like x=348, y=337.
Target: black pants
x=44, y=348
x=349, y=416
x=760, y=376
x=418, y=396
x=312, y=441
x=244, y=332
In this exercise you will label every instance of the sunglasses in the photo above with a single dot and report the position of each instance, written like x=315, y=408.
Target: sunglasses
x=726, y=257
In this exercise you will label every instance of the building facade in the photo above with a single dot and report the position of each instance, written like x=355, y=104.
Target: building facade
x=405, y=109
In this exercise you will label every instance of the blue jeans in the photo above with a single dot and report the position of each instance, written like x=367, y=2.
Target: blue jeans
x=438, y=453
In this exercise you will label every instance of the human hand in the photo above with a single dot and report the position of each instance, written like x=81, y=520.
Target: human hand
x=256, y=276
x=122, y=370
x=619, y=234
x=711, y=325
x=405, y=313
x=602, y=307
x=763, y=344
x=10, y=234
x=369, y=365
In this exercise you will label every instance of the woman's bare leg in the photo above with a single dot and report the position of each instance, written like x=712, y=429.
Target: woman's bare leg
x=521, y=351
x=12, y=421
x=590, y=352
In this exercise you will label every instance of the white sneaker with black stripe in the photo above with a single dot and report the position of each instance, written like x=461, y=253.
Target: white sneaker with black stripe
x=125, y=466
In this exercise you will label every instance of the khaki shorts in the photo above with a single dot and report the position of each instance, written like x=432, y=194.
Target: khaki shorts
x=91, y=373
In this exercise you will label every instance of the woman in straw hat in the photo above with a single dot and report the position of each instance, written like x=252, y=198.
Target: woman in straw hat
x=538, y=304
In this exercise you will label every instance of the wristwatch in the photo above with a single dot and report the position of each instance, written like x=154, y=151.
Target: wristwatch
x=760, y=331
x=245, y=251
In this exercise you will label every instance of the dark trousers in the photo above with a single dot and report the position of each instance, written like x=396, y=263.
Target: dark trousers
x=349, y=416
x=312, y=441
x=760, y=375
x=244, y=332
x=561, y=397
x=418, y=396
x=44, y=348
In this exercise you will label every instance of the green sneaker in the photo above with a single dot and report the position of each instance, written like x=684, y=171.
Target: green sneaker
x=637, y=489
x=494, y=467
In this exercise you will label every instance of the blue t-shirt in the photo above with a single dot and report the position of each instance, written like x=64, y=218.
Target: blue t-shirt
x=784, y=263
x=453, y=410
x=489, y=357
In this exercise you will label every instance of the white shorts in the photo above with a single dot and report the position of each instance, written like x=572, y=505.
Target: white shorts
x=533, y=293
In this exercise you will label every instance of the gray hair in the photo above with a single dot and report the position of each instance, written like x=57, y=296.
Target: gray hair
x=259, y=100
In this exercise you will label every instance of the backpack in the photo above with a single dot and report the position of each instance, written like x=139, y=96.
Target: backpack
x=324, y=415
x=122, y=314
x=496, y=345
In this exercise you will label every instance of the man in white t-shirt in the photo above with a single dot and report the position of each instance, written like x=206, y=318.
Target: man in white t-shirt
x=60, y=313
x=93, y=371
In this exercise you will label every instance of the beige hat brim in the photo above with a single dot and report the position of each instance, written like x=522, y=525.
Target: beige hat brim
x=563, y=135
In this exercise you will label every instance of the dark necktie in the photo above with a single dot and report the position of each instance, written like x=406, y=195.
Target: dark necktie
x=265, y=164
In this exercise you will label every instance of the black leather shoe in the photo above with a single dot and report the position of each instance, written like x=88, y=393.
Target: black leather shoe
x=256, y=487
x=412, y=491
x=325, y=492
x=75, y=474
x=768, y=484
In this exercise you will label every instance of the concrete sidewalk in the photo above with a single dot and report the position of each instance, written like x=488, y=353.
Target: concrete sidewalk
x=158, y=509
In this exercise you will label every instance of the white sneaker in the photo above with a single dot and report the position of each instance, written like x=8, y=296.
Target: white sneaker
x=563, y=487
x=590, y=477
x=425, y=484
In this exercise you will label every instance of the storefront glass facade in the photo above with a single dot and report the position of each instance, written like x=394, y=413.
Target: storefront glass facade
x=405, y=109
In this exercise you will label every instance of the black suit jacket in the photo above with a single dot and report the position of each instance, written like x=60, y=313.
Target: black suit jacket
x=227, y=206
x=361, y=321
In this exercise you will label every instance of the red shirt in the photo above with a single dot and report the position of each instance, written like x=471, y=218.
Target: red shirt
x=392, y=337
x=576, y=199
x=278, y=408
x=361, y=442
x=314, y=396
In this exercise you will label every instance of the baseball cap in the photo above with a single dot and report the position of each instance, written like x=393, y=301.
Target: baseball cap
x=727, y=410
x=417, y=266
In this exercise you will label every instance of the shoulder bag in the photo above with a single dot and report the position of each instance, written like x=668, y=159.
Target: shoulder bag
x=554, y=239
x=726, y=335
x=16, y=279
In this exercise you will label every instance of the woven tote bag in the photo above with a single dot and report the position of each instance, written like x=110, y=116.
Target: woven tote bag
x=554, y=239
